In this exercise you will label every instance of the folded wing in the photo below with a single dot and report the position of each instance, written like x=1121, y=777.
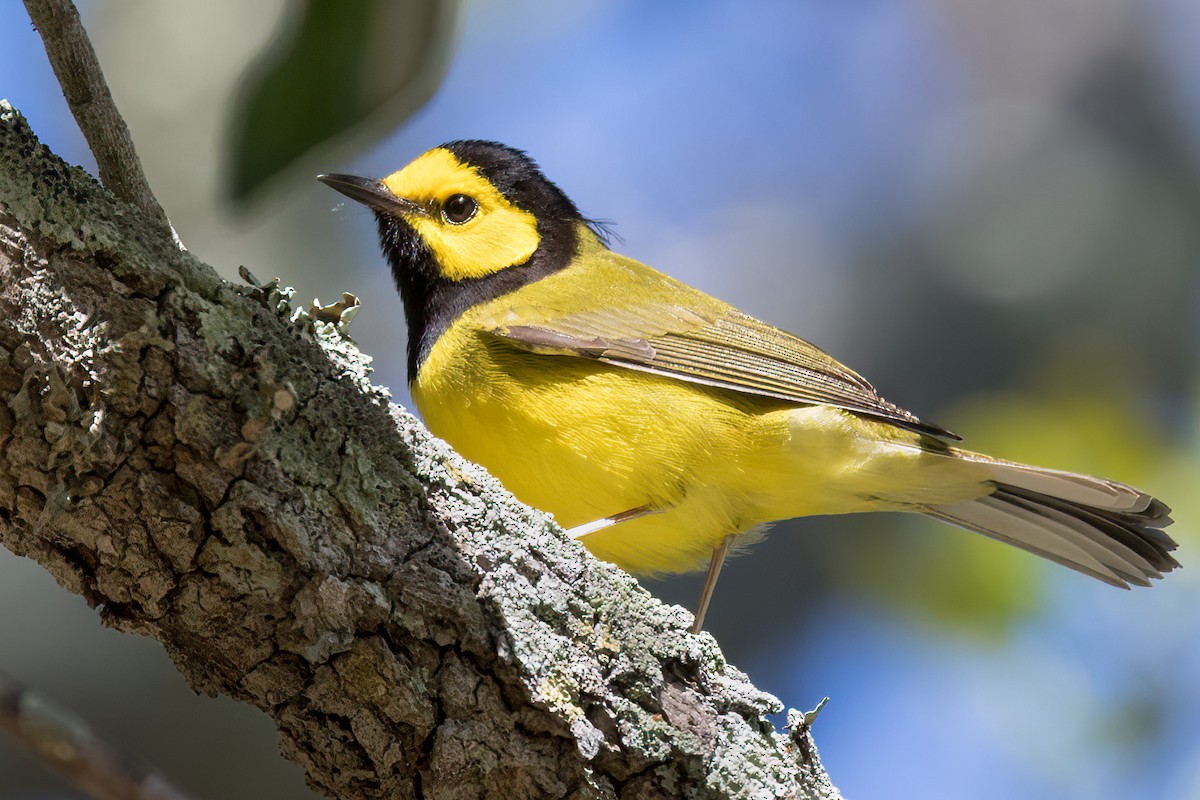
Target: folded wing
x=686, y=335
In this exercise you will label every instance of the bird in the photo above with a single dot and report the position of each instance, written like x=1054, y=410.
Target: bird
x=662, y=427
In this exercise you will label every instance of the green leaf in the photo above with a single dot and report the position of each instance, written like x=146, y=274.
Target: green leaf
x=340, y=71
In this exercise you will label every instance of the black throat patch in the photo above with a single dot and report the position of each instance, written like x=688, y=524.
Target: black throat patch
x=433, y=302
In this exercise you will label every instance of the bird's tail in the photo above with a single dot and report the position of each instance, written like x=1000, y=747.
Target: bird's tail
x=1099, y=527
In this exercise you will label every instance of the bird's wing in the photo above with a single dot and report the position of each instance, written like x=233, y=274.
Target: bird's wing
x=685, y=334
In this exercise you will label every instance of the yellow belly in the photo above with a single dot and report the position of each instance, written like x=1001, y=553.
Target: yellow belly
x=584, y=440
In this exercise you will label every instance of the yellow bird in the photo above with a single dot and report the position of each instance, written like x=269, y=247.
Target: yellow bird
x=661, y=425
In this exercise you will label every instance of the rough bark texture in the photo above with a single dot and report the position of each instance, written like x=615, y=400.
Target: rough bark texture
x=214, y=471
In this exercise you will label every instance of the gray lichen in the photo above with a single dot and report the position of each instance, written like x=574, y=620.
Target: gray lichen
x=213, y=470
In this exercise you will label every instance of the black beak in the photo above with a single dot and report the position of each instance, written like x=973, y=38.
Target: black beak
x=372, y=194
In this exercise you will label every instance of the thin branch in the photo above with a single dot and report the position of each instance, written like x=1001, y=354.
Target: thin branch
x=78, y=71
x=70, y=746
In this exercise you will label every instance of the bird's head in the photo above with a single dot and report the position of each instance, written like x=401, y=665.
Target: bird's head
x=464, y=223
x=465, y=210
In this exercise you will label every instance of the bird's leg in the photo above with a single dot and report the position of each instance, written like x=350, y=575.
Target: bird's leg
x=710, y=580
x=579, y=531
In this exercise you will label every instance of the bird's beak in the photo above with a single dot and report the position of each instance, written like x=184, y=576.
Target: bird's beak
x=373, y=194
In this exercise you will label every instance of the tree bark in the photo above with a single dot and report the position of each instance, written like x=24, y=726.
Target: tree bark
x=207, y=468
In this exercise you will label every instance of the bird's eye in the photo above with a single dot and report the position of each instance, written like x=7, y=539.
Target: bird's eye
x=459, y=208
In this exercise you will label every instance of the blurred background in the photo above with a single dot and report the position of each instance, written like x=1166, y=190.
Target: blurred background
x=991, y=210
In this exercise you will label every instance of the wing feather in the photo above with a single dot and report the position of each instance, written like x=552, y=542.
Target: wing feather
x=679, y=332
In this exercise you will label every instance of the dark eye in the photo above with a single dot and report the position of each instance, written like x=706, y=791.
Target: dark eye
x=459, y=208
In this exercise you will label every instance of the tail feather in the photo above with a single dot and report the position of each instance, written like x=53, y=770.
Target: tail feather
x=1099, y=527
x=1138, y=532
x=1073, y=487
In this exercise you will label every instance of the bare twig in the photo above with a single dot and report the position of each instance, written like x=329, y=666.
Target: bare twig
x=78, y=71
x=67, y=744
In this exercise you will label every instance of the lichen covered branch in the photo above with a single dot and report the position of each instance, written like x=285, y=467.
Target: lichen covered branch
x=210, y=469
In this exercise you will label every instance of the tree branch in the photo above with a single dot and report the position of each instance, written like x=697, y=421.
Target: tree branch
x=67, y=744
x=78, y=71
x=211, y=471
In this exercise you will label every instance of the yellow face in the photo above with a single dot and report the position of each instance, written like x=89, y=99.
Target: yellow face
x=471, y=228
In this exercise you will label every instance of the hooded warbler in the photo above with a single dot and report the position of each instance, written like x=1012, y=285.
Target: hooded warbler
x=661, y=425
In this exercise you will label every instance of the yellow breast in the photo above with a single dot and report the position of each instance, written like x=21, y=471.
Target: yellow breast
x=584, y=440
